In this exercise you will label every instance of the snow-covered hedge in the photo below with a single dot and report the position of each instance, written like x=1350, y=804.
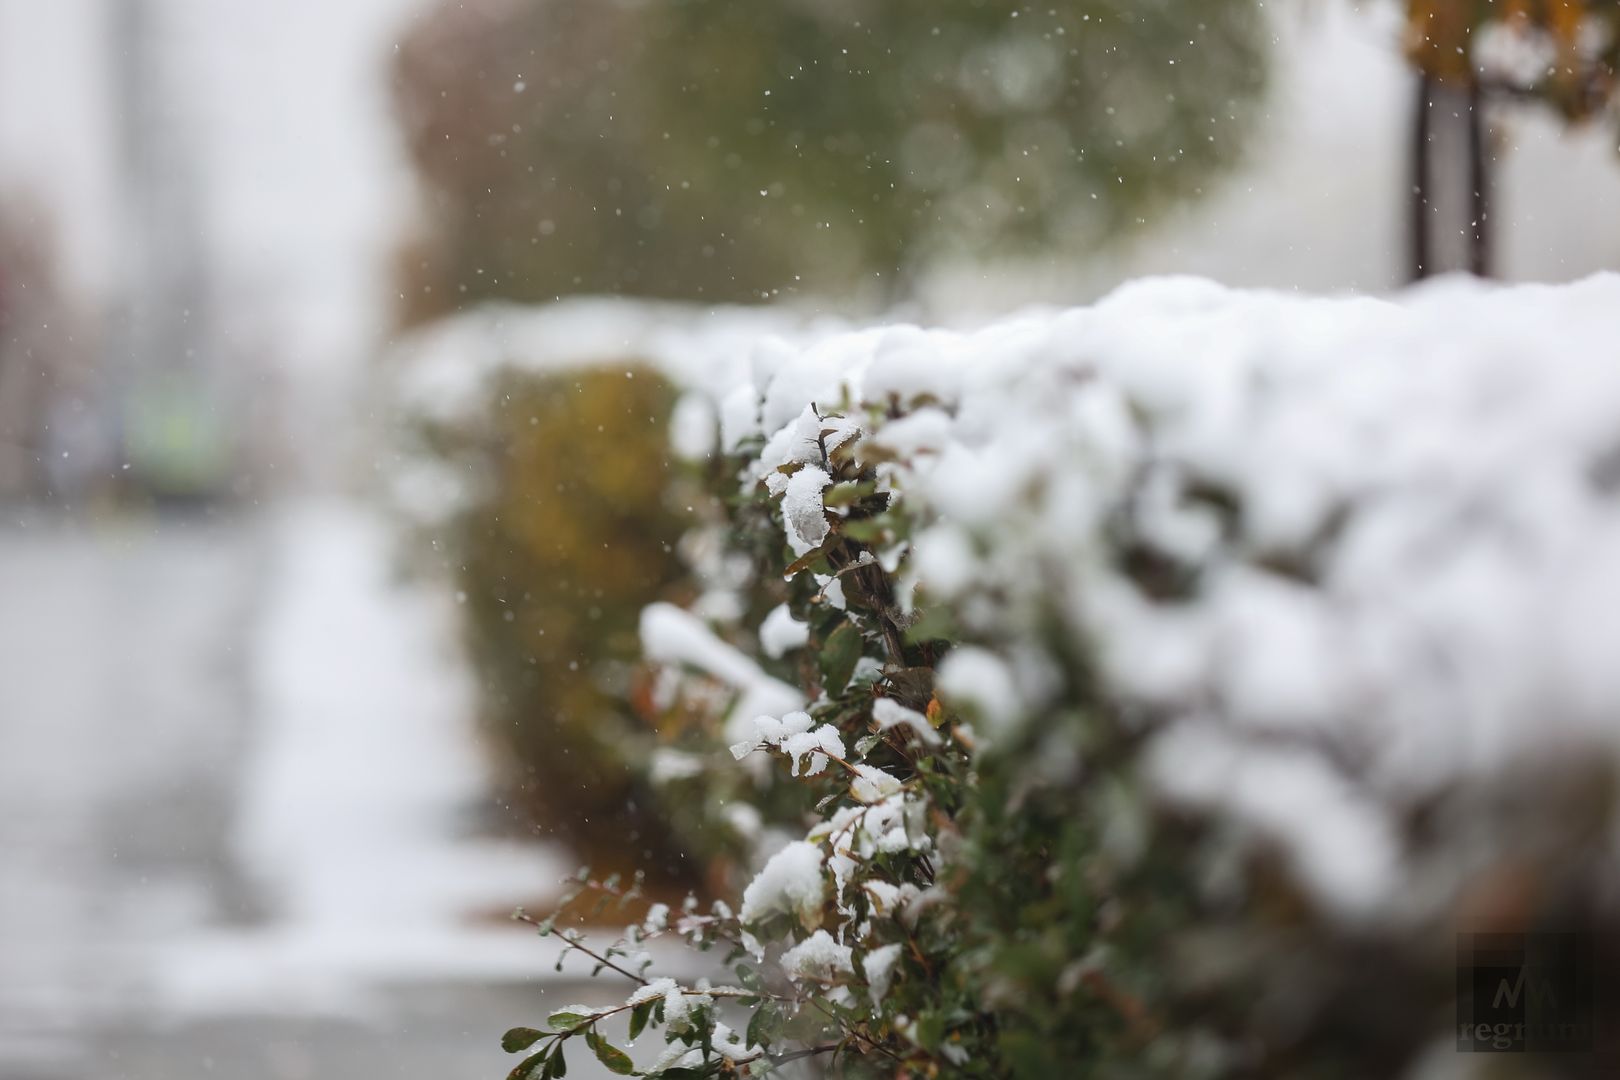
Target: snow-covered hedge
x=1162, y=684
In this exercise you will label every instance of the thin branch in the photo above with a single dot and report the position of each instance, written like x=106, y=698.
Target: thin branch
x=573, y=940
x=855, y=1033
x=792, y=1055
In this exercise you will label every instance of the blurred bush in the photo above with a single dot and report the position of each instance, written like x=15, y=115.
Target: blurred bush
x=537, y=474
x=722, y=150
x=571, y=533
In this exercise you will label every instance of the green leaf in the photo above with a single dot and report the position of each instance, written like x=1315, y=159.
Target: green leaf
x=521, y=1038
x=807, y=1026
x=639, y=1017
x=764, y=1026
x=615, y=1059
x=563, y=1019
x=533, y=1067
x=838, y=658
x=815, y=560
x=930, y=1029
x=934, y=623
x=875, y=529
x=848, y=492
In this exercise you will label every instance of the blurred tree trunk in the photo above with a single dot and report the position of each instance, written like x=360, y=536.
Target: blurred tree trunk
x=1418, y=197
x=1449, y=158
x=1479, y=261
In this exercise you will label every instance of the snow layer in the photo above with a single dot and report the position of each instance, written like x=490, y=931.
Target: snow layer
x=1388, y=533
x=1382, y=534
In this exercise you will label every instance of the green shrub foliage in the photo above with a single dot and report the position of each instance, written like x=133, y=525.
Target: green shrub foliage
x=946, y=913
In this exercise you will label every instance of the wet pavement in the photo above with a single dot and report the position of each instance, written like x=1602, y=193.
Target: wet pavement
x=131, y=725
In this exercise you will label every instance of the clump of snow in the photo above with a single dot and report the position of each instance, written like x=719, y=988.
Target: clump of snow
x=794, y=736
x=669, y=764
x=791, y=883
x=769, y=731
x=879, y=968
x=781, y=633
x=679, y=1005
x=744, y=819
x=820, y=745
x=872, y=784
x=809, y=440
x=803, y=515
x=672, y=636
x=1349, y=855
x=817, y=957
x=693, y=427
x=891, y=714
x=657, y=918
x=978, y=677
x=657, y=988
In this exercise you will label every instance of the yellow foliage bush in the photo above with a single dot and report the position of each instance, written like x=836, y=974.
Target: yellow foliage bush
x=572, y=536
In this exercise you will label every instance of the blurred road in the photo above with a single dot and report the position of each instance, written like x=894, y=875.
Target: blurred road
x=131, y=720
x=122, y=705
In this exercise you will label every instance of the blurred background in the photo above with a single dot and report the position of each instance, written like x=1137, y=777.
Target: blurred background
x=279, y=743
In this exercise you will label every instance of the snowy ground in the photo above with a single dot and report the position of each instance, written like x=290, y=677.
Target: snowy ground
x=236, y=799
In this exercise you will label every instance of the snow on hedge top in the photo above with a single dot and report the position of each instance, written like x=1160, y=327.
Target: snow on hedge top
x=1382, y=533
x=1392, y=515
x=447, y=368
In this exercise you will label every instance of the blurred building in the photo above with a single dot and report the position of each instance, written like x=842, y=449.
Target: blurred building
x=168, y=392
x=217, y=182
x=55, y=209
